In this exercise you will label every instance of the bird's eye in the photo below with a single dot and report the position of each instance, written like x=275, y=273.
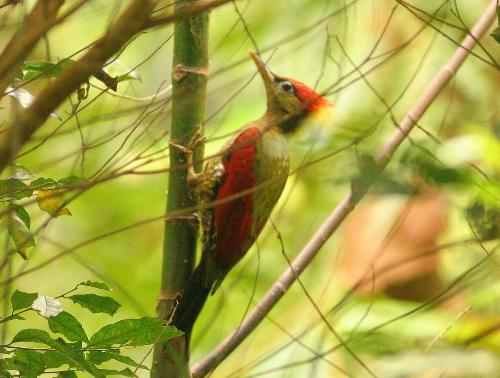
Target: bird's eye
x=286, y=86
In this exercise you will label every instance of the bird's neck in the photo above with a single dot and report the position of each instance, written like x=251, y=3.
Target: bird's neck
x=281, y=122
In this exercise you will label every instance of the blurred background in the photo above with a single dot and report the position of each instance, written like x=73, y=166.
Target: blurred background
x=412, y=277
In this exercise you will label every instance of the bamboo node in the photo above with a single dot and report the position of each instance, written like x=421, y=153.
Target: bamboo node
x=180, y=71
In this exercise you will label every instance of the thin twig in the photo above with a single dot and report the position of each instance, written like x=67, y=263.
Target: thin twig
x=37, y=23
x=444, y=331
x=186, y=11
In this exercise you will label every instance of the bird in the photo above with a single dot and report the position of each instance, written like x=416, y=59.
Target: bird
x=239, y=187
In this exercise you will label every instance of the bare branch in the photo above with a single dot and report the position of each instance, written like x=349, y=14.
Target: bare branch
x=279, y=288
x=186, y=11
x=132, y=21
x=41, y=18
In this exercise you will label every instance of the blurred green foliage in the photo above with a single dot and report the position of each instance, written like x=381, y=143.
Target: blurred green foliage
x=81, y=353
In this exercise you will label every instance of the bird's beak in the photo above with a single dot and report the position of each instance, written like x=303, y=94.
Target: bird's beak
x=265, y=72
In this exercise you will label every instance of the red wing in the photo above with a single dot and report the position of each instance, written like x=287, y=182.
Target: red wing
x=234, y=217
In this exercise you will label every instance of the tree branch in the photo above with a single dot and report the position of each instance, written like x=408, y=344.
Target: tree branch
x=186, y=10
x=133, y=20
x=346, y=205
x=37, y=22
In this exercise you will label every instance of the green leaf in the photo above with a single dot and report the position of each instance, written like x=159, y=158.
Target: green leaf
x=128, y=361
x=21, y=213
x=484, y=218
x=42, y=70
x=6, y=364
x=99, y=357
x=50, y=201
x=54, y=359
x=21, y=235
x=67, y=374
x=379, y=343
x=39, y=336
x=29, y=363
x=369, y=172
x=97, y=285
x=34, y=335
x=42, y=182
x=96, y=303
x=20, y=299
x=47, y=182
x=443, y=175
x=133, y=332
x=14, y=189
x=389, y=185
x=67, y=325
x=432, y=171
x=496, y=34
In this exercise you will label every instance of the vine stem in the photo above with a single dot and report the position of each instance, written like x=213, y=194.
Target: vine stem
x=347, y=204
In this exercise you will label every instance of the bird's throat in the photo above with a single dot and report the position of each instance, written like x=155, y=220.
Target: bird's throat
x=290, y=124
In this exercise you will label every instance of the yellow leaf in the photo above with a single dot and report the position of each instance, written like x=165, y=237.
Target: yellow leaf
x=50, y=201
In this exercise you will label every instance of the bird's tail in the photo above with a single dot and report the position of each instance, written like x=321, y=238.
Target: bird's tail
x=192, y=300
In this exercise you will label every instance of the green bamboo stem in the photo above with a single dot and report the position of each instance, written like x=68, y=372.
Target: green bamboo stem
x=189, y=79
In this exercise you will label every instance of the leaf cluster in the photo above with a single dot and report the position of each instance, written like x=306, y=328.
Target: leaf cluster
x=48, y=195
x=66, y=348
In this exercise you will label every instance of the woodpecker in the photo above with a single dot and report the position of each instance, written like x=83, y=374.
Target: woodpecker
x=239, y=187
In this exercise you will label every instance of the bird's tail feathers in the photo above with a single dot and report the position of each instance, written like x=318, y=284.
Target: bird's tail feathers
x=192, y=300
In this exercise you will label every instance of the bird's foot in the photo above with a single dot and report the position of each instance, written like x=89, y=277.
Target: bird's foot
x=197, y=140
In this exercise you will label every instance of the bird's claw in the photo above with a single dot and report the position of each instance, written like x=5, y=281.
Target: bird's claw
x=197, y=140
x=184, y=149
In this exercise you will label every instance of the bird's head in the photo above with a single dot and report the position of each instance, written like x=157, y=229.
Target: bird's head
x=290, y=102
